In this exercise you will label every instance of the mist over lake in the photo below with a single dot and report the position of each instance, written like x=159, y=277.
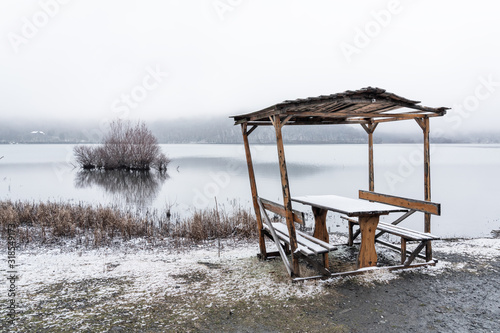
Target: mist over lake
x=464, y=179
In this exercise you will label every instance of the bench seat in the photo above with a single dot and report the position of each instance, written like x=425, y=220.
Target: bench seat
x=405, y=234
x=306, y=244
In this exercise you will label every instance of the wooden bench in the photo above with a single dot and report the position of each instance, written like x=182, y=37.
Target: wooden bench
x=393, y=228
x=405, y=234
x=307, y=245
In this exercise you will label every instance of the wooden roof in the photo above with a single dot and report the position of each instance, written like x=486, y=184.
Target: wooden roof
x=364, y=106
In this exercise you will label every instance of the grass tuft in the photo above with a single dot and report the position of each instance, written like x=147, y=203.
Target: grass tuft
x=49, y=222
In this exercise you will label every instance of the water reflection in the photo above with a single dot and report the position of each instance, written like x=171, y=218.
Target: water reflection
x=125, y=187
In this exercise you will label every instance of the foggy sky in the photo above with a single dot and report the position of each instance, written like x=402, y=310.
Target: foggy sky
x=76, y=59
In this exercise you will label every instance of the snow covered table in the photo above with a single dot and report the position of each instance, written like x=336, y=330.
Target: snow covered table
x=368, y=214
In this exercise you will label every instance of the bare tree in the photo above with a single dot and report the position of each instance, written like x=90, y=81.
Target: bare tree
x=125, y=147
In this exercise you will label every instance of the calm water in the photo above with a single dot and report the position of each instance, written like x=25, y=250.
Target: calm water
x=465, y=179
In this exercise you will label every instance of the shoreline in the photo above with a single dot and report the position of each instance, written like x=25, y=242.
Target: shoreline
x=139, y=286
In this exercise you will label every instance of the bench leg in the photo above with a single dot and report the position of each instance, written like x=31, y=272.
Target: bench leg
x=286, y=248
x=415, y=253
x=320, y=231
x=367, y=256
x=350, y=241
x=325, y=260
x=403, y=250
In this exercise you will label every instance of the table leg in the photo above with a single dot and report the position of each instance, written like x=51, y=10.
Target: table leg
x=320, y=231
x=367, y=256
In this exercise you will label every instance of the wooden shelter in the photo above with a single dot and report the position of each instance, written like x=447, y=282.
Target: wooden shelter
x=367, y=107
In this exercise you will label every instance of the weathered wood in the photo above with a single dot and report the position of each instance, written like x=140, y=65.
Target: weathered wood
x=371, y=171
x=405, y=234
x=253, y=188
x=367, y=270
x=272, y=254
x=320, y=231
x=276, y=239
x=298, y=216
x=309, y=121
x=286, y=194
x=403, y=250
x=304, y=245
x=397, y=221
x=419, y=205
x=350, y=239
x=323, y=117
x=367, y=256
x=316, y=277
x=251, y=130
x=397, y=248
x=415, y=252
x=368, y=107
x=357, y=106
x=347, y=206
x=313, y=239
x=408, y=234
x=425, y=125
x=370, y=128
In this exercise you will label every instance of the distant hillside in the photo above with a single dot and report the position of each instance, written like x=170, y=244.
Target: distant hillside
x=212, y=130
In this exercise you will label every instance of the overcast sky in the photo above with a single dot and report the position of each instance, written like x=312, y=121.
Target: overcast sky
x=89, y=59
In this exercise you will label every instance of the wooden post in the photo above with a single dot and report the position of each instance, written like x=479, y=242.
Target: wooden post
x=371, y=172
x=425, y=125
x=320, y=231
x=287, y=202
x=367, y=256
x=403, y=250
x=253, y=187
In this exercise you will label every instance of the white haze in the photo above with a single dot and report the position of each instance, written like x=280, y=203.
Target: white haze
x=80, y=59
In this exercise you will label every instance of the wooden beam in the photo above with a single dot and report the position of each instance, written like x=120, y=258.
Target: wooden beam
x=320, y=230
x=298, y=217
x=367, y=270
x=422, y=206
x=354, y=115
x=427, y=180
x=396, y=222
x=253, y=188
x=285, y=120
x=370, y=128
x=251, y=130
x=399, y=118
x=286, y=195
x=276, y=240
x=415, y=253
x=367, y=255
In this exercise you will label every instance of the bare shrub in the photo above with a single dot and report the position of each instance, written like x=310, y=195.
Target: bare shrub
x=125, y=146
x=161, y=162
x=85, y=156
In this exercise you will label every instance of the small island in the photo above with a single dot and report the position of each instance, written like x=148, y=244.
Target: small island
x=126, y=147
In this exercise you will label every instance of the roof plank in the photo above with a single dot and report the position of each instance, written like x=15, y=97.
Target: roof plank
x=359, y=106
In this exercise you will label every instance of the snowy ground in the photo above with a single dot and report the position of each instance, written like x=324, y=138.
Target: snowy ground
x=100, y=289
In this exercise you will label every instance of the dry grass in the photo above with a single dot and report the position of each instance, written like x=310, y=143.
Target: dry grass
x=48, y=222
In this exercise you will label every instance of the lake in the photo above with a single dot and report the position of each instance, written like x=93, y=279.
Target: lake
x=465, y=179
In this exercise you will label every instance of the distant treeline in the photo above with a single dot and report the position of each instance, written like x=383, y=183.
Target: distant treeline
x=215, y=130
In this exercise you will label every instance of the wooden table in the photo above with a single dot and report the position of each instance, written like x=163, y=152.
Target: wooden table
x=368, y=214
